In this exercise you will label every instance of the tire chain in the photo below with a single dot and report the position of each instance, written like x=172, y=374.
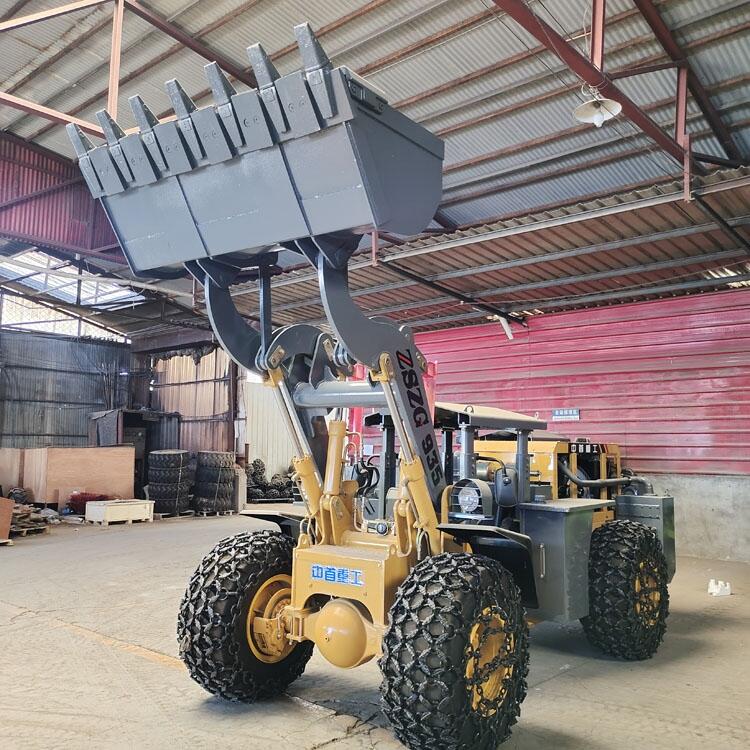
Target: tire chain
x=211, y=605
x=613, y=625
x=429, y=637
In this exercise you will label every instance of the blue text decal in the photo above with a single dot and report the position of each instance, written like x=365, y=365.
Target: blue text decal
x=334, y=574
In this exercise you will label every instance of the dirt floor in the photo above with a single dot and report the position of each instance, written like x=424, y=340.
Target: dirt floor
x=89, y=660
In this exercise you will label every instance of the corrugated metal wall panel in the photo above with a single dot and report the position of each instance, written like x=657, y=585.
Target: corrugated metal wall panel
x=265, y=433
x=67, y=216
x=668, y=380
x=49, y=385
x=200, y=393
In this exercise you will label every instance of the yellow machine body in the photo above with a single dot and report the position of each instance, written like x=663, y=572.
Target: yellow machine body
x=344, y=578
x=597, y=460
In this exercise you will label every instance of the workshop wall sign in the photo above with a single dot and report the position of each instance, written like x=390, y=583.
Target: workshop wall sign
x=566, y=415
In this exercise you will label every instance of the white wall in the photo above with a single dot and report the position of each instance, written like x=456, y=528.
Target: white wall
x=264, y=431
x=711, y=516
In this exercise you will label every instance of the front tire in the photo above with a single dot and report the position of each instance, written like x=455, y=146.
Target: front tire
x=455, y=656
x=628, y=595
x=214, y=621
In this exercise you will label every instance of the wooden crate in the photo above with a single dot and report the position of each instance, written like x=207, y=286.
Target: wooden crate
x=6, y=515
x=105, y=512
x=11, y=468
x=51, y=475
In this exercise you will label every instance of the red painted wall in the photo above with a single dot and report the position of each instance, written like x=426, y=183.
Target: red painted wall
x=668, y=380
x=66, y=217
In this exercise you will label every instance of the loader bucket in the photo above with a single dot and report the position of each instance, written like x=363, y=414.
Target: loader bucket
x=313, y=153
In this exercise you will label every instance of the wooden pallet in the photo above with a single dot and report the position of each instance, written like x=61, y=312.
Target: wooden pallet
x=206, y=513
x=184, y=514
x=126, y=522
x=24, y=530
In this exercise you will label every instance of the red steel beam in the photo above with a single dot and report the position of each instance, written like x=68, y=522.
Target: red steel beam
x=188, y=41
x=702, y=99
x=42, y=243
x=40, y=193
x=687, y=171
x=113, y=89
x=598, y=14
x=14, y=9
x=584, y=69
x=680, y=119
x=49, y=114
x=571, y=169
x=18, y=23
x=638, y=70
x=218, y=23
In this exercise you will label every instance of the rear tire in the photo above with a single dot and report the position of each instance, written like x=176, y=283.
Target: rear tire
x=455, y=657
x=628, y=595
x=211, y=628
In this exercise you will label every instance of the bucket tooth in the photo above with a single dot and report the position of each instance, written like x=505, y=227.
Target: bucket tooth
x=147, y=121
x=266, y=74
x=317, y=69
x=81, y=143
x=313, y=55
x=144, y=117
x=222, y=90
x=264, y=70
x=182, y=104
x=112, y=131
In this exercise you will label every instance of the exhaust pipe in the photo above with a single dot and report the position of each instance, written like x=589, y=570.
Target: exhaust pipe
x=599, y=483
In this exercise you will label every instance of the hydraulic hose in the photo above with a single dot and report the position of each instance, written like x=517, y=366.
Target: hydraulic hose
x=599, y=483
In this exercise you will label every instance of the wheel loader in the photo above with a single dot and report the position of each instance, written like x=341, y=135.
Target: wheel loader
x=475, y=544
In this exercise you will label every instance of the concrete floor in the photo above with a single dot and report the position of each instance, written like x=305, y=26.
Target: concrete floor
x=89, y=660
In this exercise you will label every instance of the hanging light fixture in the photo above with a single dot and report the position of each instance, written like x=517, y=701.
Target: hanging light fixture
x=596, y=109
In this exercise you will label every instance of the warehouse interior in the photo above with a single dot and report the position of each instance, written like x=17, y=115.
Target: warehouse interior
x=576, y=296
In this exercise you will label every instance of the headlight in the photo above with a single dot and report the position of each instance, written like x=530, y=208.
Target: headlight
x=471, y=497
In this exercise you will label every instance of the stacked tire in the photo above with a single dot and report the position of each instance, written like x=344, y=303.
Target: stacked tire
x=214, y=482
x=170, y=480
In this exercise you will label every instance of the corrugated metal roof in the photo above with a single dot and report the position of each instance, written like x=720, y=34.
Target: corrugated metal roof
x=406, y=48
x=531, y=262
x=501, y=103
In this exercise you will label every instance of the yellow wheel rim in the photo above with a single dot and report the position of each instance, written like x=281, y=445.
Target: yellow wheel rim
x=648, y=596
x=268, y=603
x=487, y=671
